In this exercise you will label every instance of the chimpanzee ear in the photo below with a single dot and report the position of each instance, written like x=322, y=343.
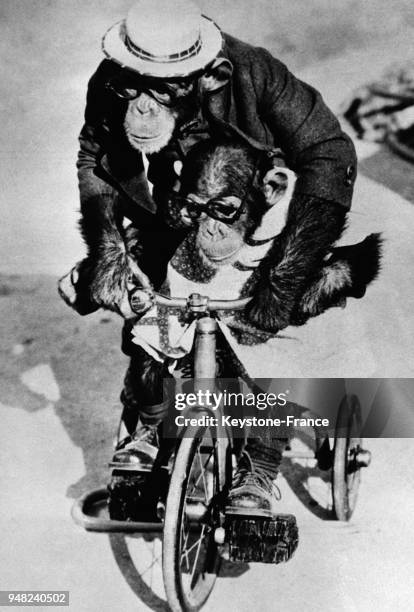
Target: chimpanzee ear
x=275, y=184
x=217, y=75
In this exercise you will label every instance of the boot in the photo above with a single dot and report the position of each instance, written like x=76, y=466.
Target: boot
x=137, y=452
x=253, y=492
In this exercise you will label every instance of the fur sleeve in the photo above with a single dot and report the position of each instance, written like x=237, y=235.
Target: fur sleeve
x=313, y=225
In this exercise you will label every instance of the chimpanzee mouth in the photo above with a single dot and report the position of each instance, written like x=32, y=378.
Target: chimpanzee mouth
x=148, y=143
x=218, y=252
x=144, y=138
x=223, y=258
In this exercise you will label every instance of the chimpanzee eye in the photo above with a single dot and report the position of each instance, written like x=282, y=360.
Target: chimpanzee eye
x=193, y=209
x=168, y=93
x=186, y=206
x=122, y=90
x=187, y=216
x=231, y=200
x=129, y=93
x=181, y=88
x=225, y=207
x=163, y=97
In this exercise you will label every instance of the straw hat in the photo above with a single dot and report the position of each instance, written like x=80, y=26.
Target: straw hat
x=163, y=38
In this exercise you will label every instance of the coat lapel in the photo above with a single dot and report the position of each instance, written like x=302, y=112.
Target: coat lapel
x=130, y=178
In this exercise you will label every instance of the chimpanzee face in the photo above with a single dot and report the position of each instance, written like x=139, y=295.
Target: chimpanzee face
x=222, y=218
x=226, y=189
x=155, y=107
x=222, y=225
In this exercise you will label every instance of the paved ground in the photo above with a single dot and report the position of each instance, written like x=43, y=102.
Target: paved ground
x=61, y=374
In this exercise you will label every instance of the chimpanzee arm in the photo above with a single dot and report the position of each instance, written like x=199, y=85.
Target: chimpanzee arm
x=324, y=160
x=101, y=277
x=102, y=273
x=296, y=257
x=316, y=149
x=101, y=217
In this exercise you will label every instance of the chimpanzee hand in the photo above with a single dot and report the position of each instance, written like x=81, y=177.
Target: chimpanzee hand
x=74, y=289
x=294, y=262
x=139, y=296
x=266, y=311
x=91, y=285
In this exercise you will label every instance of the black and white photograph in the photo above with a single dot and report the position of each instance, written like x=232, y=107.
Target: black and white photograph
x=207, y=305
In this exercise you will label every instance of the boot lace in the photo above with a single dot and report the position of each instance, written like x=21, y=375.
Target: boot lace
x=253, y=473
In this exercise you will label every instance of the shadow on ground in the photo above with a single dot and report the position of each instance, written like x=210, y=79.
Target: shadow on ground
x=84, y=356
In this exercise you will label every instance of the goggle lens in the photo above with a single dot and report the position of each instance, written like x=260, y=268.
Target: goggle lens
x=216, y=209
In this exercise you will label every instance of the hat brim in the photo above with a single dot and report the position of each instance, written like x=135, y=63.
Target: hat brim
x=114, y=48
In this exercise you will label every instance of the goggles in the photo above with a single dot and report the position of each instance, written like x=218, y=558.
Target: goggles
x=166, y=93
x=227, y=209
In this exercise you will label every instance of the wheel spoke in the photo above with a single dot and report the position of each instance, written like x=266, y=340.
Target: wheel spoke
x=184, y=552
x=198, y=485
x=194, y=544
x=198, y=552
x=156, y=560
x=203, y=475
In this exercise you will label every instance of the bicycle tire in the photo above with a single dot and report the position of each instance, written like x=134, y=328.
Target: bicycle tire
x=179, y=597
x=346, y=473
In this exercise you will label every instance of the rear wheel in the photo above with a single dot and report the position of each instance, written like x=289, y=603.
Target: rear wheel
x=190, y=555
x=346, y=472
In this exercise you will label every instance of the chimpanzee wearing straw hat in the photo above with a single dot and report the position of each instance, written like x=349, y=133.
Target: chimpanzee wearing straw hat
x=171, y=78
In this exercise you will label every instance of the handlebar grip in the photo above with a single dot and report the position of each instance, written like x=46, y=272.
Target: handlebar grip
x=140, y=300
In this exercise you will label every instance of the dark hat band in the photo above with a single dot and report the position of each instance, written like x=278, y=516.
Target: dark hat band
x=163, y=59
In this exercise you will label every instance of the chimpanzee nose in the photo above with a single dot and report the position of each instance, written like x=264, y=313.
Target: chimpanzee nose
x=145, y=104
x=215, y=230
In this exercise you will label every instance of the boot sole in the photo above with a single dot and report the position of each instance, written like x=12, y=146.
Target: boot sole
x=119, y=467
x=262, y=541
x=248, y=512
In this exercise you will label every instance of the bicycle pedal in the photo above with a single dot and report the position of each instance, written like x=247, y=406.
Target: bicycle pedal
x=130, y=497
x=261, y=540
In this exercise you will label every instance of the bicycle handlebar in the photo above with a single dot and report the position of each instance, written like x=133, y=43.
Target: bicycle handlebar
x=195, y=302
x=179, y=302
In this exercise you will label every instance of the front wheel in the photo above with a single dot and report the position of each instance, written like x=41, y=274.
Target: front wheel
x=191, y=559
